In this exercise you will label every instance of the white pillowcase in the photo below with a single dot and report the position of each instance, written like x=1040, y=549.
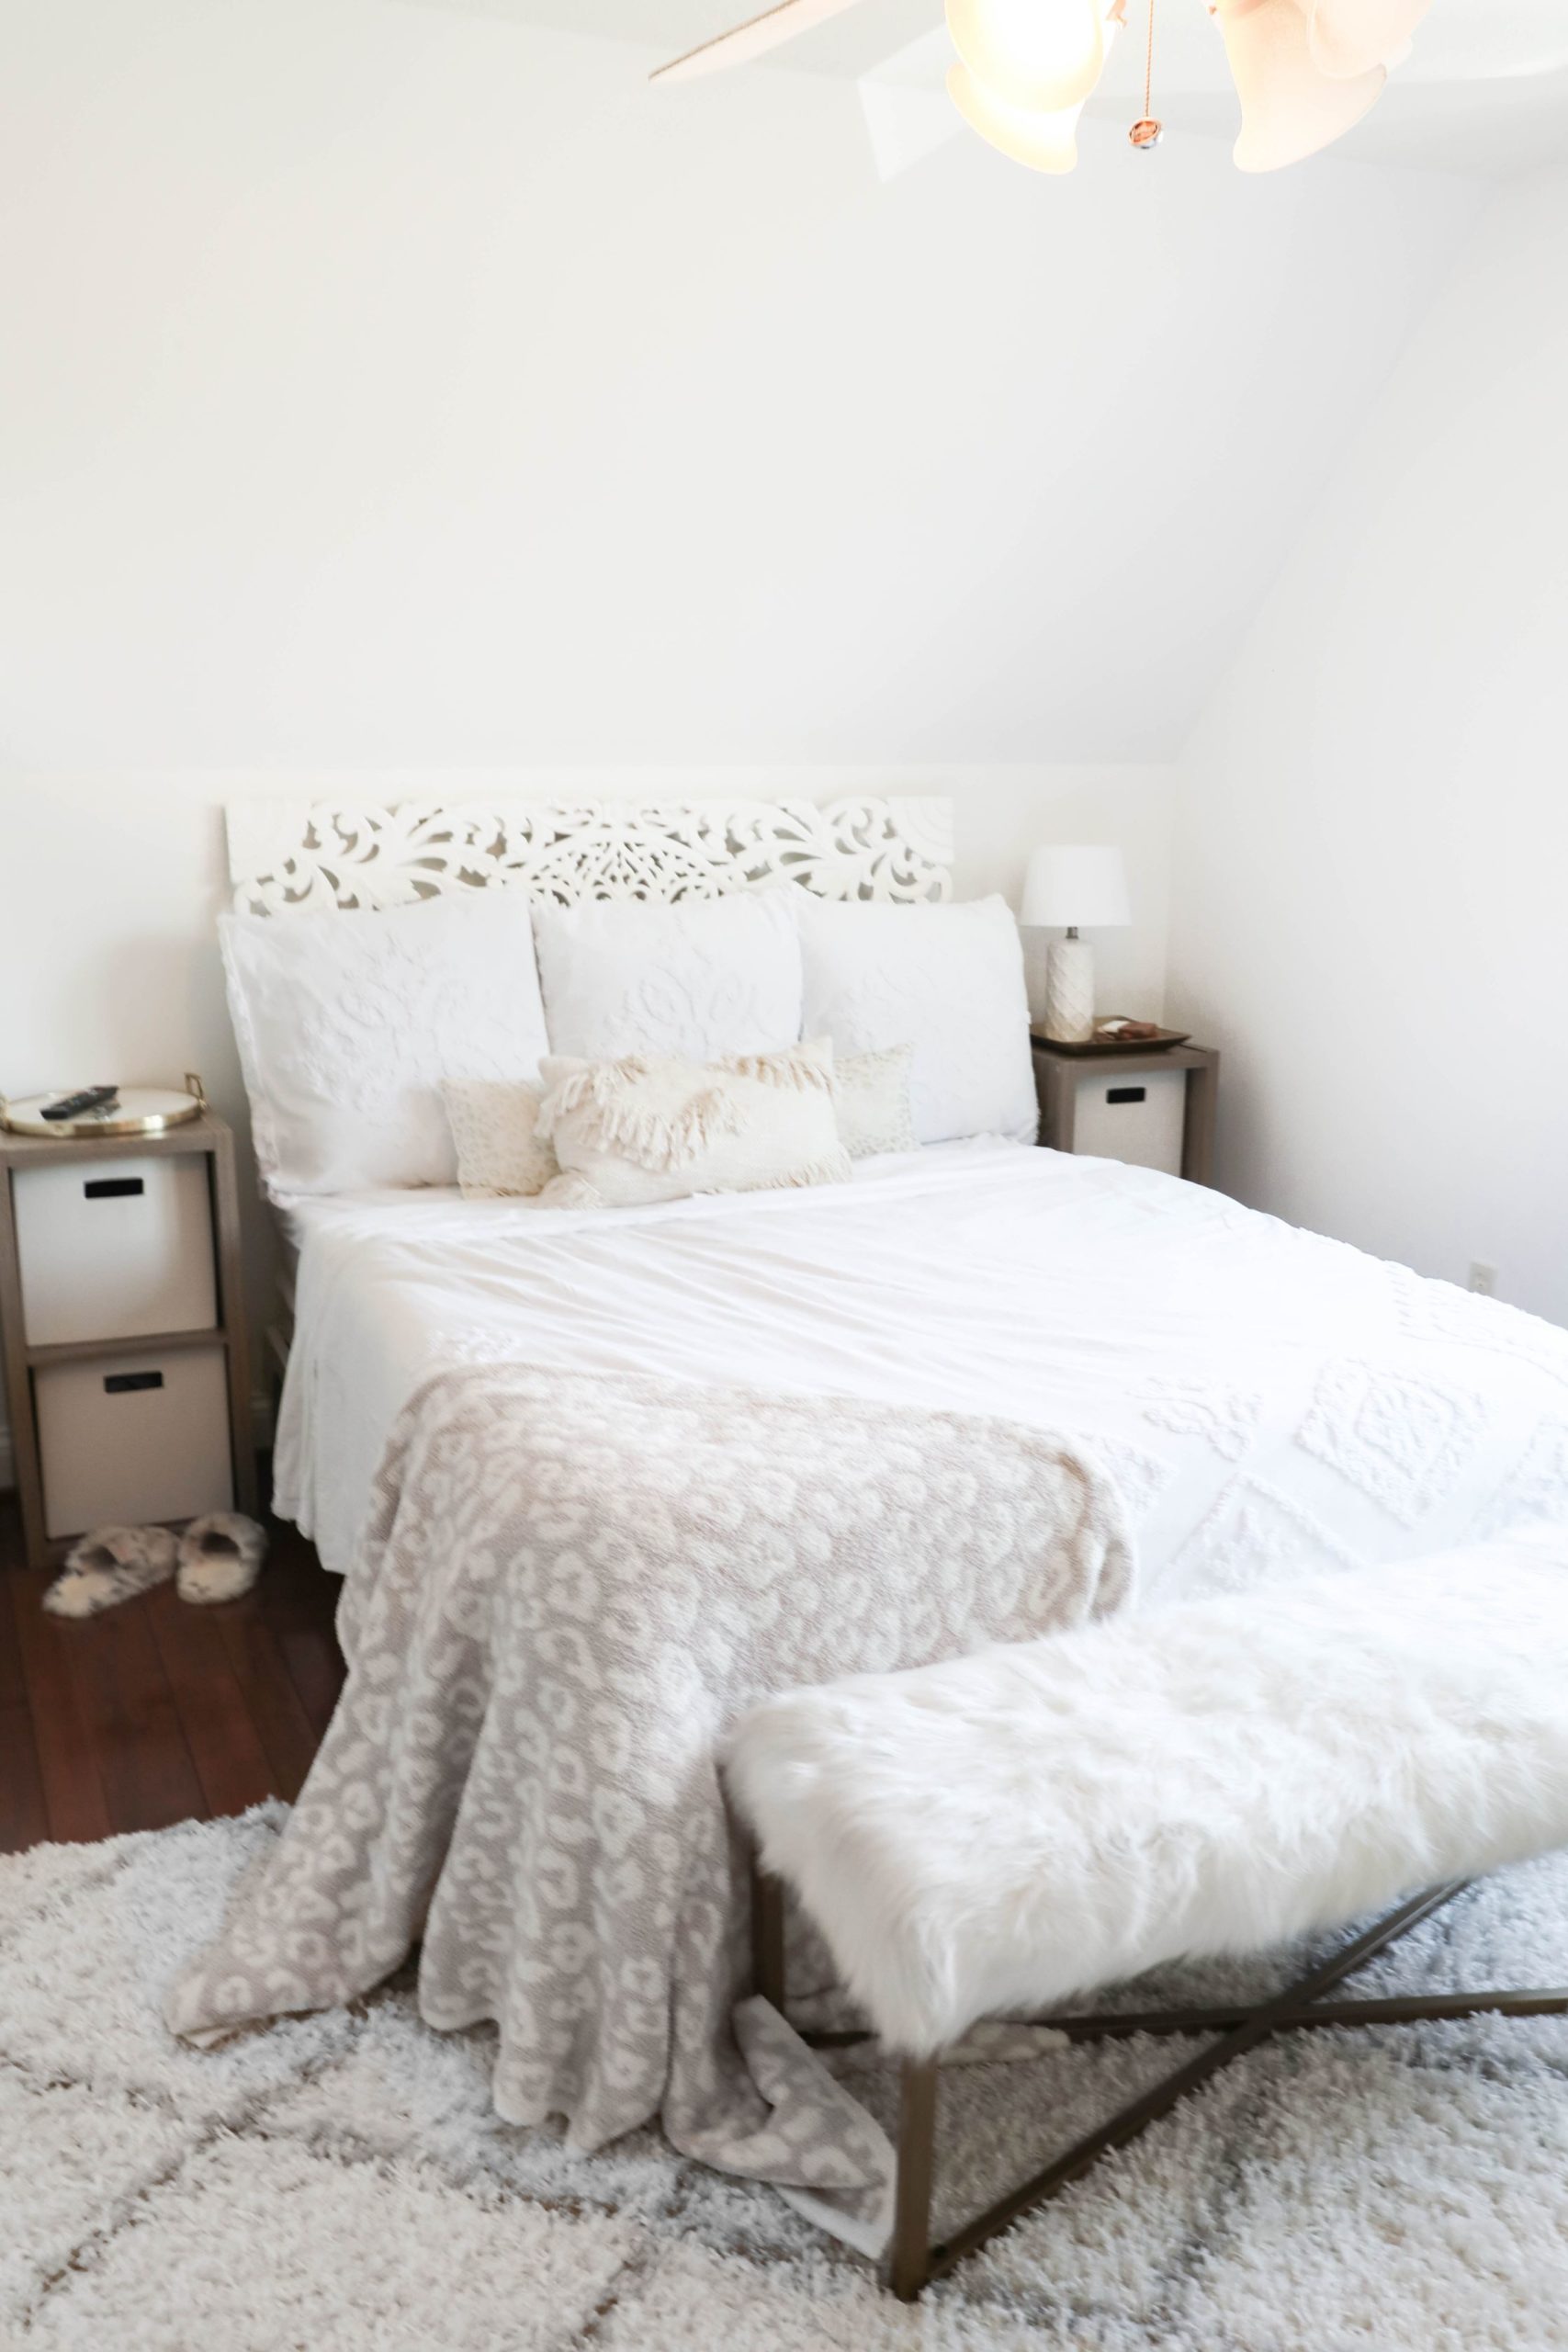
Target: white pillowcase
x=948, y=978
x=871, y=1095
x=495, y=1129
x=348, y=1023
x=653, y=1128
x=699, y=979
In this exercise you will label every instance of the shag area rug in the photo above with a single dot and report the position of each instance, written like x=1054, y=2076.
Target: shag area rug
x=339, y=2183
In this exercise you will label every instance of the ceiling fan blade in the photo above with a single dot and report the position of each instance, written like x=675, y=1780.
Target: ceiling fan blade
x=741, y=43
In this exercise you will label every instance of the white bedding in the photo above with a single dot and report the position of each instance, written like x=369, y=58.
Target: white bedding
x=1267, y=1400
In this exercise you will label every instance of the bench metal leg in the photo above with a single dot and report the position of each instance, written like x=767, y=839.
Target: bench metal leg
x=1253, y=2025
x=909, y=2261
x=914, y=2261
x=1404, y=2008
x=768, y=1974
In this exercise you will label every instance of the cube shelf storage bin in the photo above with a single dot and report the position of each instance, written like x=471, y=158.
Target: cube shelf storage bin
x=123, y=1324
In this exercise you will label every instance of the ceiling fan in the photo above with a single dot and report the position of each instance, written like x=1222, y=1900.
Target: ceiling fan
x=1305, y=70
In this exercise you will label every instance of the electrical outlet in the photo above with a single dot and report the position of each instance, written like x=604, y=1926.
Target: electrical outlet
x=1483, y=1279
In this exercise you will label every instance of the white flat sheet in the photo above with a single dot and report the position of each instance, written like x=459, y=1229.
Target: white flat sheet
x=1268, y=1400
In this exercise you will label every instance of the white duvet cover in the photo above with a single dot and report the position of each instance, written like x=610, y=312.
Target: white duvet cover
x=1268, y=1401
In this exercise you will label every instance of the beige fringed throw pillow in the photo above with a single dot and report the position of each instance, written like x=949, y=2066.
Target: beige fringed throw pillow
x=648, y=1128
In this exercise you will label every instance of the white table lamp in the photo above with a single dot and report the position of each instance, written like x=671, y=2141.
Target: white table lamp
x=1073, y=890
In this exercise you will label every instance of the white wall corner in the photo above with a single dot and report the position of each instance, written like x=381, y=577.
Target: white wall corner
x=1369, y=833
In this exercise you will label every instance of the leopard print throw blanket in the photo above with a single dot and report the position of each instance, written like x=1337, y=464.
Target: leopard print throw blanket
x=570, y=1585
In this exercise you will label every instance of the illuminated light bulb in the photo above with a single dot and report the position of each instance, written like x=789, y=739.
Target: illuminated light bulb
x=1288, y=109
x=1045, y=141
x=1041, y=55
x=1347, y=37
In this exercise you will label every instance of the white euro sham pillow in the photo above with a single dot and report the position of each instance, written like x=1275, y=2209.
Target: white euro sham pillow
x=650, y=1128
x=947, y=979
x=698, y=979
x=348, y=1023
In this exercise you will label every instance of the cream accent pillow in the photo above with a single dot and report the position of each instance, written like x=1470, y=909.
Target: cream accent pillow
x=495, y=1131
x=500, y=1155
x=646, y=1129
x=871, y=1094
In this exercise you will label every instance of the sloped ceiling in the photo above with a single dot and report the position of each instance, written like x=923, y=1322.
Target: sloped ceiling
x=403, y=386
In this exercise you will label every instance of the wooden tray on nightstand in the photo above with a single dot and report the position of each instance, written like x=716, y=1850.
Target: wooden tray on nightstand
x=1098, y=1044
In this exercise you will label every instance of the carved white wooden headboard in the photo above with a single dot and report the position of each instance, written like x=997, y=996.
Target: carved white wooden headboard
x=288, y=855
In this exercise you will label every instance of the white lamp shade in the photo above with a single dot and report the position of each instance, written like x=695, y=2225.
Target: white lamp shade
x=1081, y=888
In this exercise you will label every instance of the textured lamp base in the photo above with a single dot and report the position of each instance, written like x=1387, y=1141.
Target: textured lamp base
x=1069, y=992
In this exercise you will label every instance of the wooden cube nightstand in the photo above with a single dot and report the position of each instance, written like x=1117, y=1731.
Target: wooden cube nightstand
x=1154, y=1109
x=122, y=1321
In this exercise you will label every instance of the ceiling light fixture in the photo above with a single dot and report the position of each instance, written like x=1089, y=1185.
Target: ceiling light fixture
x=1042, y=55
x=1305, y=70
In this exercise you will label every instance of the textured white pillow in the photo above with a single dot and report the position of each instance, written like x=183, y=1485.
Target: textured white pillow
x=948, y=977
x=348, y=1023
x=495, y=1129
x=699, y=979
x=653, y=1128
x=871, y=1095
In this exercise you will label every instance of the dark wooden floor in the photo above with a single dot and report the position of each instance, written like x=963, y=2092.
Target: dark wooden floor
x=157, y=1710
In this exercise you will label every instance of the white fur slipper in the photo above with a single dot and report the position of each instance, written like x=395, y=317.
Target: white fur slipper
x=108, y=1567
x=221, y=1556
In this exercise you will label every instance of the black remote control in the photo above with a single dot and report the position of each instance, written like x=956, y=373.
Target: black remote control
x=91, y=1098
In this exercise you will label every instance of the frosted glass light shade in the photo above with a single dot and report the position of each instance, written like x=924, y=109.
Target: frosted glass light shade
x=1288, y=109
x=1047, y=142
x=1076, y=886
x=1042, y=55
x=1346, y=38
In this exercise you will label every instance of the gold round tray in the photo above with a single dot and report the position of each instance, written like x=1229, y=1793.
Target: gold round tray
x=139, y=1111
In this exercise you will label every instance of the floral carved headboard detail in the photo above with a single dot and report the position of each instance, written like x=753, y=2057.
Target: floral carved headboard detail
x=316, y=856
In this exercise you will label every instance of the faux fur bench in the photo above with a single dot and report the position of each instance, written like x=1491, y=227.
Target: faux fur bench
x=1001, y=1832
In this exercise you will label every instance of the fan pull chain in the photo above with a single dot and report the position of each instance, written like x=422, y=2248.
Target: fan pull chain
x=1146, y=132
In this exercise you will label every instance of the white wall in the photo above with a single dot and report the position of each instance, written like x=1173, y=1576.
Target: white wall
x=396, y=386
x=1372, y=891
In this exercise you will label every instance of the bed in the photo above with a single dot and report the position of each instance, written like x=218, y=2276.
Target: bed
x=596, y=1479
x=1267, y=1400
